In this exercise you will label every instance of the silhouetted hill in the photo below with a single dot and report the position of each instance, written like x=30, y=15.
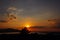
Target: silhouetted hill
x=9, y=30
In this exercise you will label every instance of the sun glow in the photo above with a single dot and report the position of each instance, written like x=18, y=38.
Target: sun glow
x=27, y=26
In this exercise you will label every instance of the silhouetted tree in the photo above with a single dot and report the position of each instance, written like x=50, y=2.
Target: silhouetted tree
x=25, y=31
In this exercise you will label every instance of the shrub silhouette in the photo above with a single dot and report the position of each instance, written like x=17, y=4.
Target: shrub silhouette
x=25, y=31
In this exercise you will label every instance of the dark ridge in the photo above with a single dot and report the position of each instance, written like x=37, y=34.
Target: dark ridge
x=9, y=30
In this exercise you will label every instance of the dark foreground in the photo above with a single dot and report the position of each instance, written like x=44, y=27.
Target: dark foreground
x=24, y=34
x=32, y=36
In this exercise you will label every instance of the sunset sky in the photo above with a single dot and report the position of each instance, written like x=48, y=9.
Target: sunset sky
x=18, y=13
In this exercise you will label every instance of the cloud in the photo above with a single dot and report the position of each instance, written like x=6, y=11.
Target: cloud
x=55, y=22
x=3, y=21
x=11, y=8
x=12, y=17
x=12, y=12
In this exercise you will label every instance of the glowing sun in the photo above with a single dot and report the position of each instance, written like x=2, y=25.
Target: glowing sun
x=27, y=26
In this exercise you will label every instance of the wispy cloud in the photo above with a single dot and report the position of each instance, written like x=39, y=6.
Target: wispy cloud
x=55, y=22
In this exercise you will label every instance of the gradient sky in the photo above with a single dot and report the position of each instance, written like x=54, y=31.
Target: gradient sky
x=32, y=12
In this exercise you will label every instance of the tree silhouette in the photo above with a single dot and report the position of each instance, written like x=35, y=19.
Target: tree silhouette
x=25, y=31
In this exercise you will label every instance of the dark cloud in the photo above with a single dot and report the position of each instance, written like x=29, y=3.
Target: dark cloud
x=3, y=21
x=12, y=17
x=11, y=11
x=56, y=22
